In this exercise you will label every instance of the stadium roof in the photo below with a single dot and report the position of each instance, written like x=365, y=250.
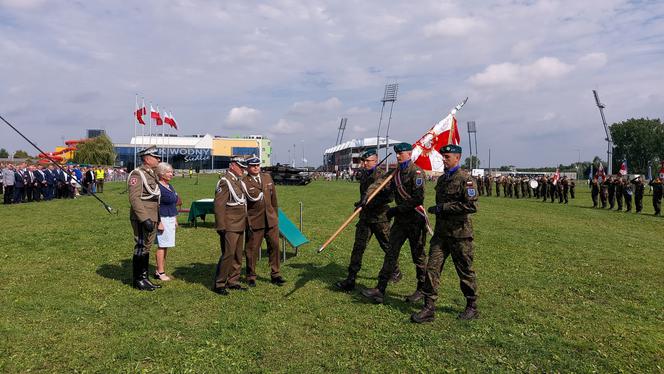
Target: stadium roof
x=360, y=143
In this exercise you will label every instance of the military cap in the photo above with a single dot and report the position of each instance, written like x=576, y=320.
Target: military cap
x=253, y=161
x=150, y=151
x=240, y=161
x=402, y=147
x=450, y=148
x=368, y=153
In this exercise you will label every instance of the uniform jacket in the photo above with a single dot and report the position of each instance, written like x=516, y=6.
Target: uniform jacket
x=456, y=197
x=376, y=210
x=19, y=179
x=230, y=207
x=656, y=185
x=50, y=178
x=144, y=199
x=8, y=177
x=407, y=187
x=263, y=212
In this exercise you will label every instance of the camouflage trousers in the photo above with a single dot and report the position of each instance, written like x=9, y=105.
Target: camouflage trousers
x=462, y=252
x=657, y=202
x=363, y=232
x=415, y=232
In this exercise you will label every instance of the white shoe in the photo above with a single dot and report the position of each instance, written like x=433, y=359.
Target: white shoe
x=161, y=276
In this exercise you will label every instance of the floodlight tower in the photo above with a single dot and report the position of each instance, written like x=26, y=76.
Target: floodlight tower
x=390, y=96
x=342, y=129
x=472, y=129
x=609, y=140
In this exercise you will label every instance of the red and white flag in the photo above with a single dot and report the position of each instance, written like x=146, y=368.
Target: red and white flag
x=140, y=112
x=154, y=114
x=170, y=120
x=425, y=151
x=556, y=177
x=623, y=168
x=600, y=172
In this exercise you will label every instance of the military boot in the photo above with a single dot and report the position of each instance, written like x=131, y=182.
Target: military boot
x=139, y=277
x=417, y=295
x=396, y=276
x=377, y=295
x=427, y=313
x=470, y=312
x=347, y=284
x=145, y=261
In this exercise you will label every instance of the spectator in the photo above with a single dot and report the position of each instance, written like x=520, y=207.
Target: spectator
x=167, y=218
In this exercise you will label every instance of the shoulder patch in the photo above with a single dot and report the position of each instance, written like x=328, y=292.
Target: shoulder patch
x=419, y=181
x=469, y=183
x=133, y=181
x=471, y=192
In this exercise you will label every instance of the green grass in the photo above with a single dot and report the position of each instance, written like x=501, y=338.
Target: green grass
x=562, y=288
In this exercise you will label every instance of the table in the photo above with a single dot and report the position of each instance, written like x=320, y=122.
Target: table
x=199, y=209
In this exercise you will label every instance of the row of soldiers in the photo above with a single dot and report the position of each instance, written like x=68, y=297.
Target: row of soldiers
x=520, y=187
x=614, y=190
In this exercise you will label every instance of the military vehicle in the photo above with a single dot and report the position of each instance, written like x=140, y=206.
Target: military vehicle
x=286, y=174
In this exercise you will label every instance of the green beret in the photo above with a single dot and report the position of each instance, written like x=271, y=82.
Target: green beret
x=450, y=148
x=403, y=147
x=368, y=153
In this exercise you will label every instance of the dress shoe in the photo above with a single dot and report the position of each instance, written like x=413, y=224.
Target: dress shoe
x=279, y=281
x=220, y=291
x=236, y=287
x=374, y=294
x=251, y=283
x=346, y=285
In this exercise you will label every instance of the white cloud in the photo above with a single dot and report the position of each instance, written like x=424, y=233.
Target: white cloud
x=452, y=26
x=515, y=76
x=22, y=4
x=286, y=127
x=593, y=60
x=311, y=107
x=242, y=116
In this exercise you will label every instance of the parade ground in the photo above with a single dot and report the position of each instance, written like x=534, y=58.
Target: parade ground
x=561, y=288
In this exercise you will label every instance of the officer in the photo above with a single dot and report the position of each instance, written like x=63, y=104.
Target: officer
x=373, y=220
x=456, y=199
x=263, y=217
x=639, y=189
x=144, y=194
x=410, y=223
x=656, y=185
x=230, y=213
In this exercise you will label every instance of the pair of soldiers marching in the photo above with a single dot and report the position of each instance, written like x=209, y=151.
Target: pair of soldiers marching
x=456, y=197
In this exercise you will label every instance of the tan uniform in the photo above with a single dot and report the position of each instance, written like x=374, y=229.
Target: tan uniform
x=144, y=194
x=230, y=213
x=263, y=222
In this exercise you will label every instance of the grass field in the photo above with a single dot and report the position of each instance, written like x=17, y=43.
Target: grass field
x=562, y=288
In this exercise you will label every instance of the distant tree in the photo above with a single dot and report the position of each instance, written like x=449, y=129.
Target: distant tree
x=639, y=141
x=4, y=153
x=21, y=154
x=473, y=161
x=96, y=151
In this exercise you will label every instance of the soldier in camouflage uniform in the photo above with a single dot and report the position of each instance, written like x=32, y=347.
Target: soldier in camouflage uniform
x=565, y=193
x=594, y=190
x=639, y=189
x=657, y=191
x=572, y=186
x=487, y=184
x=373, y=220
x=497, y=180
x=627, y=193
x=410, y=223
x=603, y=192
x=544, y=183
x=612, y=192
x=456, y=198
x=516, y=186
x=480, y=185
x=619, y=191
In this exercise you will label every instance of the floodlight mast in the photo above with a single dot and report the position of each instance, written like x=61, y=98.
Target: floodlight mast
x=609, y=139
x=389, y=96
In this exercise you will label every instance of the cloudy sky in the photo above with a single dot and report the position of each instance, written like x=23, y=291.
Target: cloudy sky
x=291, y=69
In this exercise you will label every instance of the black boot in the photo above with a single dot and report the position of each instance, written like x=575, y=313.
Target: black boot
x=396, y=276
x=347, y=284
x=145, y=258
x=470, y=312
x=427, y=313
x=139, y=277
x=417, y=295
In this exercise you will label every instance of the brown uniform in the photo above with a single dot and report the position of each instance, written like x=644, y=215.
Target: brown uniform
x=263, y=222
x=230, y=213
x=144, y=193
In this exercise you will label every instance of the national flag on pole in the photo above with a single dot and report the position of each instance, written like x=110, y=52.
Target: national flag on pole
x=600, y=172
x=590, y=175
x=556, y=176
x=623, y=168
x=140, y=112
x=425, y=151
x=170, y=120
x=154, y=114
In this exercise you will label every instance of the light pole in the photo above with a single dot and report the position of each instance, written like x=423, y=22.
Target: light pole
x=389, y=96
x=609, y=140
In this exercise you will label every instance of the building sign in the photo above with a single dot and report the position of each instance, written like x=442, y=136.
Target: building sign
x=189, y=154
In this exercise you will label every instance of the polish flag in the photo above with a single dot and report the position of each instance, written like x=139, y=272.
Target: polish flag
x=623, y=168
x=155, y=115
x=425, y=151
x=173, y=123
x=140, y=112
x=169, y=120
x=556, y=177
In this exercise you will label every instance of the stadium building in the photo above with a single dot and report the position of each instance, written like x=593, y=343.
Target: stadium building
x=346, y=155
x=202, y=152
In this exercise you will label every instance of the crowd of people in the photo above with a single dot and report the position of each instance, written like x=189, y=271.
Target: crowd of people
x=547, y=188
x=23, y=182
x=614, y=190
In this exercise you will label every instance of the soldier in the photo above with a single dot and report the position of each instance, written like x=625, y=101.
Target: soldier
x=525, y=187
x=455, y=201
x=516, y=186
x=619, y=191
x=544, y=183
x=572, y=186
x=565, y=192
x=627, y=193
x=262, y=210
x=479, y=184
x=603, y=190
x=551, y=188
x=488, y=184
x=639, y=189
x=594, y=190
x=373, y=220
x=559, y=191
x=612, y=192
x=144, y=194
x=497, y=181
x=410, y=223
x=230, y=215
x=656, y=185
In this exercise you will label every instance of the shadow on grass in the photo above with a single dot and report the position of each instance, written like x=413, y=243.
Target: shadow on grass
x=329, y=274
x=197, y=273
x=120, y=272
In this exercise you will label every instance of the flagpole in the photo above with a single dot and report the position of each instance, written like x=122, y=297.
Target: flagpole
x=150, y=135
x=163, y=136
x=135, y=124
x=143, y=126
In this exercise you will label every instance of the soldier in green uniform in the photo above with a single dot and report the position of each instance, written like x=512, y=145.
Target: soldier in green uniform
x=143, y=190
x=572, y=186
x=544, y=184
x=565, y=193
x=627, y=193
x=497, y=181
x=455, y=200
x=410, y=223
x=480, y=184
x=487, y=184
x=619, y=191
x=612, y=192
x=657, y=191
x=516, y=186
x=603, y=191
x=373, y=220
x=594, y=190
x=639, y=189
